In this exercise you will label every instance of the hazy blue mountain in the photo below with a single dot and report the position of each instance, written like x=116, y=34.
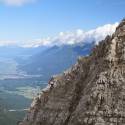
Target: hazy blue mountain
x=55, y=59
x=45, y=61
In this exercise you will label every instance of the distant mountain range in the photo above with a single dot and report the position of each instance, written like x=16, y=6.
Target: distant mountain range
x=54, y=60
x=43, y=60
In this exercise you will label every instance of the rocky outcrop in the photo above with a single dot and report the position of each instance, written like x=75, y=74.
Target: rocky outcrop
x=92, y=92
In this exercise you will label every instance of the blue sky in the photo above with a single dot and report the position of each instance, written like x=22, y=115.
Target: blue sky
x=22, y=20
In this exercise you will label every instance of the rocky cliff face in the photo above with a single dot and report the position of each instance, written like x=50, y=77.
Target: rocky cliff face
x=92, y=92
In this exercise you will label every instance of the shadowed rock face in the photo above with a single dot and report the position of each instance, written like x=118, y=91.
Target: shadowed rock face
x=92, y=92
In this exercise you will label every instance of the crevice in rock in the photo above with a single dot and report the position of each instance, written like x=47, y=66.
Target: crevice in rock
x=76, y=98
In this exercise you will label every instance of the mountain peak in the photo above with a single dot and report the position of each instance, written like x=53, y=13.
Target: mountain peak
x=92, y=92
x=112, y=48
x=120, y=30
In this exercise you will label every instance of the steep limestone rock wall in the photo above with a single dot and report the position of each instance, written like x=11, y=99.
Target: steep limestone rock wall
x=92, y=92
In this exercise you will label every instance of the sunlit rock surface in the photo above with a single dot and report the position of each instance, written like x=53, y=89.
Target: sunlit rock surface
x=92, y=92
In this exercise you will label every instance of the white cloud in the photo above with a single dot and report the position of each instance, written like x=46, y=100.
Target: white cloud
x=73, y=37
x=16, y=2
